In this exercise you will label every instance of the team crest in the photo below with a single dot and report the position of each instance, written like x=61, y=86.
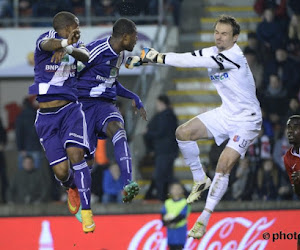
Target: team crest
x=236, y=138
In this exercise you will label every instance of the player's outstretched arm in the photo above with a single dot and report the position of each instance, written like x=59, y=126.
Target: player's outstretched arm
x=185, y=60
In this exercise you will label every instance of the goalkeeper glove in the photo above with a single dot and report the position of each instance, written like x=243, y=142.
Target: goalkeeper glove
x=151, y=55
x=133, y=61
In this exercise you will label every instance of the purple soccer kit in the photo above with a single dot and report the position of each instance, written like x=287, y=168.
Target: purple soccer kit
x=97, y=90
x=63, y=126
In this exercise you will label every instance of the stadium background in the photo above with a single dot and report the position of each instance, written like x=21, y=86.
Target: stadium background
x=167, y=26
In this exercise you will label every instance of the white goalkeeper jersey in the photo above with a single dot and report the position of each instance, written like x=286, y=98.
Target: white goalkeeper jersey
x=232, y=77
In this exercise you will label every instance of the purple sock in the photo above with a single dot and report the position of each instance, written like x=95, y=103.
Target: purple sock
x=83, y=182
x=122, y=155
x=69, y=182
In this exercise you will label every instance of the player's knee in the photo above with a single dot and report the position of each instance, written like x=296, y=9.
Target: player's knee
x=61, y=172
x=182, y=133
x=75, y=155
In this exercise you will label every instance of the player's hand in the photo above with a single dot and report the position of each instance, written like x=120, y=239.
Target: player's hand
x=58, y=55
x=151, y=55
x=296, y=177
x=143, y=112
x=133, y=61
x=74, y=36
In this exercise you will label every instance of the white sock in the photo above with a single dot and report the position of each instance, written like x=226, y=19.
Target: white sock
x=204, y=217
x=216, y=191
x=190, y=152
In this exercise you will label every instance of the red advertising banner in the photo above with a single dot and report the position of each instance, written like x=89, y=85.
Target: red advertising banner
x=227, y=230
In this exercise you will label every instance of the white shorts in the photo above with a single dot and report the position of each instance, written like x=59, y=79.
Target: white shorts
x=238, y=133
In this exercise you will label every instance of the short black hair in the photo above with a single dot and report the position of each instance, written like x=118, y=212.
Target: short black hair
x=229, y=20
x=123, y=26
x=63, y=19
x=164, y=99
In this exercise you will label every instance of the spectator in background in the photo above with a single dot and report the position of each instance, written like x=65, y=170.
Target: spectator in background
x=294, y=108
x=275, y=99
x=78, y=7
x=293, y=46
x=112, y=185
x=271, y=32
x=174, y=216
x=27, y=186
x=255, y=45
x=256, y=67
x=48, y=8
x=28, y=142
x=239, y=187
x=6, y=8
x=286, y=68
x=279, y=7
x=103, y=8
x=161, y=135
x=175, y=7
x=261, y=149
x=267, y=181
x=4, y=182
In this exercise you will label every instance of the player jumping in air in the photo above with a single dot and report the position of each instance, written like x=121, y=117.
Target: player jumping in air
x=292, y=156
x=98, y=88
x=60, y=122
x=238, y=118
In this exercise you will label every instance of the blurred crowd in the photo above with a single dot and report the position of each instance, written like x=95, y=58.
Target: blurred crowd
x=99, y=8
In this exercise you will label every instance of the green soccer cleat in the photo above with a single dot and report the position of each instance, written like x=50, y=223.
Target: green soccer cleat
x=130, y=191
x=78, y=215
x=197, y=231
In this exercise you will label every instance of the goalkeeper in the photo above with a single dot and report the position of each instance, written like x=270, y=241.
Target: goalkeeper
x=237, y=119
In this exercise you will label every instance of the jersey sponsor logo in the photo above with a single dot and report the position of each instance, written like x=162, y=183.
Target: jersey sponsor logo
x=219, y=77
x=236, y=138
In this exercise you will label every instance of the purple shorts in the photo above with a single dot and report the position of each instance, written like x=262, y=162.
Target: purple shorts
x=98, y=113
x=56, y=129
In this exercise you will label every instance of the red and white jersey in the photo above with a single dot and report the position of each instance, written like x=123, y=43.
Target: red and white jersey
x=291, y=162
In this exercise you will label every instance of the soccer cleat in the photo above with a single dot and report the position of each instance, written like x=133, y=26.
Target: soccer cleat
x=197, y=231
x=73, y=200
x=197, y=189
x=130, y=191
x=78, y=215
x=88, y=224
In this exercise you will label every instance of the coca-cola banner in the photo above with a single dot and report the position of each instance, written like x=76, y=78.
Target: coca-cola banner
x=226, y=230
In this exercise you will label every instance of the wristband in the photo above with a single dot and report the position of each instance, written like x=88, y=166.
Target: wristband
x=69, y=49
x=64, y=43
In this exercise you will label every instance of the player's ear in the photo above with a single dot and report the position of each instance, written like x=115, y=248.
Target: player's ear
x=235, y=37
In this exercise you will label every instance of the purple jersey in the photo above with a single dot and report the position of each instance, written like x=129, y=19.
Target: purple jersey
x=53, y=81
x=100, y=73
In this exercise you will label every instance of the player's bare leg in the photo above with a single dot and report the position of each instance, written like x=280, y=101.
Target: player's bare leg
x=116, y=132
x=187, y=134
x=217, y=189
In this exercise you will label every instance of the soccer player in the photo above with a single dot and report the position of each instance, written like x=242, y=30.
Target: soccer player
x=98, y=88
x=60, y=121
x=292, y=156
x=237, y=119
